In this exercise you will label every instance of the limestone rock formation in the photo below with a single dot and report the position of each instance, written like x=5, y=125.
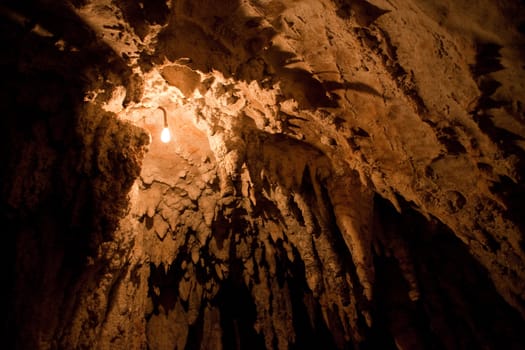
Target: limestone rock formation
x=342, y=174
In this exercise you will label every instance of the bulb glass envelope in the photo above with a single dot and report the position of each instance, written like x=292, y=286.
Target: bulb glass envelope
x=165, y=135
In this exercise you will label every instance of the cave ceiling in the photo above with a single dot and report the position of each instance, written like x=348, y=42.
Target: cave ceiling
x=294, y=124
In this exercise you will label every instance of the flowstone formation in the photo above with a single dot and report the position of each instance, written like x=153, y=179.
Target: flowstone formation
x=341, y=175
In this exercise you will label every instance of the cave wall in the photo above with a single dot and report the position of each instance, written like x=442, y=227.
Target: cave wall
x=342, y=174
x=66, y=170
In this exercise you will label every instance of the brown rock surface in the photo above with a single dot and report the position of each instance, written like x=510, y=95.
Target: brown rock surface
x=341, y=174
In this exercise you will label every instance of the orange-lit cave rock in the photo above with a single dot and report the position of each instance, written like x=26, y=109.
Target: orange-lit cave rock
x=342, y=174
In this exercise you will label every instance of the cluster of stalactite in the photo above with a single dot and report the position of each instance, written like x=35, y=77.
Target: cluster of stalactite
x=271, y=246
x=268, y=256
x=272, y=269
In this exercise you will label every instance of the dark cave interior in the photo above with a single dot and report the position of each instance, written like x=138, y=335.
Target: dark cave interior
x=267, y=226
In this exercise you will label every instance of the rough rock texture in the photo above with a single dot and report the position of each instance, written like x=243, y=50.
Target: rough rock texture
x=341, y=175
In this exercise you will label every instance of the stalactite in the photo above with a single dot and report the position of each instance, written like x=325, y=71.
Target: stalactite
x=355, y=224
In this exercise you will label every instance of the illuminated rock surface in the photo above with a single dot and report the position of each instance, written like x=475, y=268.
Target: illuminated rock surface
x=341, y=174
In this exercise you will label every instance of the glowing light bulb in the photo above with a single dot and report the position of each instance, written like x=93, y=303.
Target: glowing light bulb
x=165, y=135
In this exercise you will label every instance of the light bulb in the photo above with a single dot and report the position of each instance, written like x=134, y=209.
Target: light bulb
x=165, y=136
